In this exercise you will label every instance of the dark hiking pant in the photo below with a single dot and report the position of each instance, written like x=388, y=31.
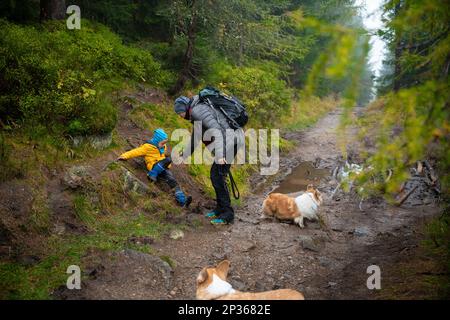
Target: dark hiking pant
x=219, y=176
x=167, y=176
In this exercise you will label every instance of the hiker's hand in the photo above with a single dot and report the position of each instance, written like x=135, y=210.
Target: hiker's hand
x=222, y=161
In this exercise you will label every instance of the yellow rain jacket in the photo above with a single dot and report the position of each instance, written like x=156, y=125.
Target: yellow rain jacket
x=150, y=153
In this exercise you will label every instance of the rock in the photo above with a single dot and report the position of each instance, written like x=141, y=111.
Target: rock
x=16, y=200
x=154, y=262
x=98, y=142
x=265, y=226
x=238, y=284
x=324, y=261
x=361, y=231
x=219, y=256
x=332, y=284
x=337, y=229
x=248, y=245
x=94, y=272
x=309, y=243
x=59, y=229
x=193, y=220
x=28, y=260
x=141, y=240
x=101, y=142
x=176, y=234
x=132, y=183
x=77, y=176
x=314, y=225
x=5, y=235
x=259, y=286
x=5, y=251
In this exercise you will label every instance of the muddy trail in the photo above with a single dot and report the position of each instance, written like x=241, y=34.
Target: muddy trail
x=326, y=260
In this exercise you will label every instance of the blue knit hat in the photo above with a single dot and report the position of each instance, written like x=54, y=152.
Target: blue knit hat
x=181, y=104
x=158, y=136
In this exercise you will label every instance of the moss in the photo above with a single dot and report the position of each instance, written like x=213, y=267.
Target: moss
x=172, y=263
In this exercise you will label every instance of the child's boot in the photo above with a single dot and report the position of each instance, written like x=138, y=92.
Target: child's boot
x=181, y=198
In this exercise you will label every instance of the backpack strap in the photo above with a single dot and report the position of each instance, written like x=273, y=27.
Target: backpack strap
x=223, y=112
x=234, y=187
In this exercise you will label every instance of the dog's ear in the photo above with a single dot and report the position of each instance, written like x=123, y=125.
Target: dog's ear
x=222, y=269
x=202, y=276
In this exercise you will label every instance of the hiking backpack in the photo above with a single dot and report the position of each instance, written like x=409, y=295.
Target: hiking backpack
x=231, y=107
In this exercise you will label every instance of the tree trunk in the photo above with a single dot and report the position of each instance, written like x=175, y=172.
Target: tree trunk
x=241, y=47
x=53, y=9
x=185, y=73
x=397, y=53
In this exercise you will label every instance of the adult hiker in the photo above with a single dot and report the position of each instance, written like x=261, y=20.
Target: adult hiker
x=216, y=112
x=158, y=163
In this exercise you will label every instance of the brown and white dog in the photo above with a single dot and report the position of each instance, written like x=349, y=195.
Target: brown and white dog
x=212, y=285
x=284, y=207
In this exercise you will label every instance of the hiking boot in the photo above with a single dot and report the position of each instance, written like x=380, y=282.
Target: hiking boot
x=211, y=215
x=188, y=202
x=219, y=222
x=182, y=200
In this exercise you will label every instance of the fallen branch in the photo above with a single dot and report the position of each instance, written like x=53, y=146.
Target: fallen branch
x=335, y=190
x=405, y=197
x=335, y=171
x=360, y=206
x=389, y=176
x=402, y=187
x=431, y=172
x=419, y=167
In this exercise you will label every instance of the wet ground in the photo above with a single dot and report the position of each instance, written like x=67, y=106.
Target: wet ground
x=326, y=260
x=300, y=177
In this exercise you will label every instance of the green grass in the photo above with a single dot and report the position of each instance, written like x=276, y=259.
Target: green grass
x=37, y=282
x=127, y=215
x=172, y=263
x=151, y=116
x=426, y=273
x=84, y=210
x=437, y=245
x=307, y=111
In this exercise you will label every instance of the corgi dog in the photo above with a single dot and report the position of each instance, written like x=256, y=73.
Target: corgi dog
x=212, y=285
x=284, y=207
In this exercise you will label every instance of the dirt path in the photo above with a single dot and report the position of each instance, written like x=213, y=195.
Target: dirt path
x=324, y=262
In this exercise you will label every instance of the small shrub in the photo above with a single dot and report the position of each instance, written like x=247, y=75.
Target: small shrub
x=266, y=96
x=62, y=79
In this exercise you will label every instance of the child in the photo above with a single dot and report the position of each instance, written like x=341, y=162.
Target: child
x=158, y=164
